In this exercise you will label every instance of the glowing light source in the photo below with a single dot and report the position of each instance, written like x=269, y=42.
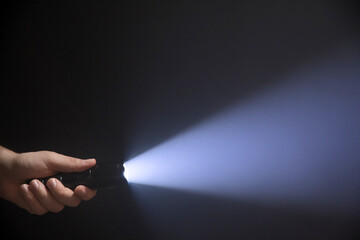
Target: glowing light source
x=126, y=174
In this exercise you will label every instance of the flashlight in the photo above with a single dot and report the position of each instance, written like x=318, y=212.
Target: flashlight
x=100, y=176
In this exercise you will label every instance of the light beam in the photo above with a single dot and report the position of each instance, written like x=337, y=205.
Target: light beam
x=296, y=142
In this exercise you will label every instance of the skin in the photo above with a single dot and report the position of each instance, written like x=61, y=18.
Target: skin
x=36, y=198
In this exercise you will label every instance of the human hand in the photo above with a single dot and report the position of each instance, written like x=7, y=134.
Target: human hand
x=16, y=168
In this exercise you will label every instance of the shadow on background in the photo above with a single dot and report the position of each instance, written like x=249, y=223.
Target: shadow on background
x=174, y=214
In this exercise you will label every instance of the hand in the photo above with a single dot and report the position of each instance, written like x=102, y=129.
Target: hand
x=16, y=168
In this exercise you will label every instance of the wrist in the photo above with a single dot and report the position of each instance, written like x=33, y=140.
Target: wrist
x=6, y=157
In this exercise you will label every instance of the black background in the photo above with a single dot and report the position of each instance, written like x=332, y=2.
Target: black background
x=111, y=79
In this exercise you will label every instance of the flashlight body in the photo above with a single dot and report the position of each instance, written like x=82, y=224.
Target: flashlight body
x=100, y=176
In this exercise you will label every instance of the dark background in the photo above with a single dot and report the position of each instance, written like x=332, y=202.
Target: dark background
x=111, y=79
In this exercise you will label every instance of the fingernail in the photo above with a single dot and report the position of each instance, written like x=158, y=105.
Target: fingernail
x=24, y=187
x=51, y=183
x=34, y=184
x=90, y=160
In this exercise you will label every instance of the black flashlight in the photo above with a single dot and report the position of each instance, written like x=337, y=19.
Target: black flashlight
x=100, y=176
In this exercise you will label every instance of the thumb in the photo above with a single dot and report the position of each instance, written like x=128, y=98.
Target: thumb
x=62, y=163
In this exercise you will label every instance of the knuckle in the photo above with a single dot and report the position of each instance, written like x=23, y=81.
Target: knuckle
x=50, y=154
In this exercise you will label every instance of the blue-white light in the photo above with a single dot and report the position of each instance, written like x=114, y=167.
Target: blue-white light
x=126, y=172
x=295, y=142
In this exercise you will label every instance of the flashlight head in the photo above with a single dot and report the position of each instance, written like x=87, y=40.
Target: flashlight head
x=106, y=176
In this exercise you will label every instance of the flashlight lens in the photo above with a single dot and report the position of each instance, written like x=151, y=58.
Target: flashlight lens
x=125, y=172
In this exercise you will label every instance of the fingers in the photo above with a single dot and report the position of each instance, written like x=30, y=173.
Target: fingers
x=62, y=163
x=40, y=200
x=44, y=196
x=84, y=193
x=33, y=205
x=62, y=194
